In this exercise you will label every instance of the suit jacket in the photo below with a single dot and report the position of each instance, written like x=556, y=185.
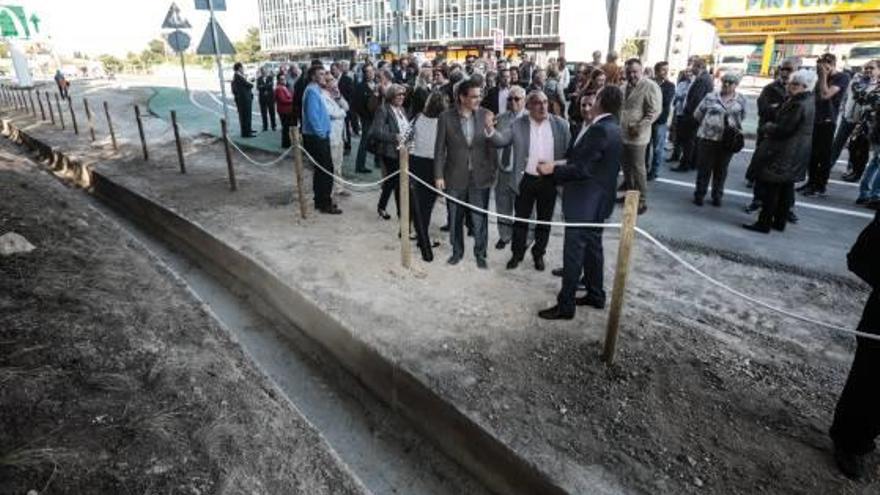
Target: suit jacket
x=490, y=102
x=266, y=88
x=346, y=87
x=459, y=164
x=589, y=179
x=701, y=86
x=361, y=99
x=384, y=131
x=642, y=105
x=242, y=89
x=517, y=135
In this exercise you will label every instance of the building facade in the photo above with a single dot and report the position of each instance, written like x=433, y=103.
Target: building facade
x=449, y=28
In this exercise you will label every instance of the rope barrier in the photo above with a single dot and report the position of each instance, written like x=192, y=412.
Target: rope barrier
x=257, y=163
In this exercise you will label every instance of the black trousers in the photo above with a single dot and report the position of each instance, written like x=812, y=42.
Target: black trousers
x=285, y=129
x=820, y=156
x=534, y=192
x=687, y=134
x=322, y=182
x=243, y=106
x=857, y=416
x=582, y=257
x=392, y=185
x=776, y=199
x=711, y=166
x=267, y=112
x=423, y=200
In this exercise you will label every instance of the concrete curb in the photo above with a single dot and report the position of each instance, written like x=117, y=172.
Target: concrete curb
x=488, y=458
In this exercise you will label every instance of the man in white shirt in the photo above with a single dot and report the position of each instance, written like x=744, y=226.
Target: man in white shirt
x=538, y=137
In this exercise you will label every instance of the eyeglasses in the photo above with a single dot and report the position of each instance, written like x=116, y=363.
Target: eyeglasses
x=728, y=82
x=785, y=69
x=514, y=98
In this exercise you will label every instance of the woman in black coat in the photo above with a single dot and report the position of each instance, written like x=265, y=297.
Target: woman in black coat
x=389, y=130
x=783, y=154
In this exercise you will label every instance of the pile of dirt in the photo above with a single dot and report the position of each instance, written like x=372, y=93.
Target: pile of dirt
x=114, y=379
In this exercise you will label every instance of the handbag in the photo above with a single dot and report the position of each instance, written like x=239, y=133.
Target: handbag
x=732, y=139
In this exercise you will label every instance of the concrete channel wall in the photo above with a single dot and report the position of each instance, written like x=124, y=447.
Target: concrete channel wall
x=489, y=459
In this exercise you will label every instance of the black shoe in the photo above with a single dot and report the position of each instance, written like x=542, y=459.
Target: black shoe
x=680, y=169
x=554, y=314
x=470, y=233
x=589, y=301
x=453, y=260
x=621, y=200
x=750, y=184
x=698, y=201
x=757, y=227
x=435, y=244
x=247, y=136
x=330, y=210
x=481, y=264
x=753, y=207
x=874, y=204
x=792, y=217
x=716, y=202
x=265, y=129
x=362, y=171
x=444, y=228
x=427, y=256
x=814, y=191
x=852, y=177
x=500, y=244
x=673, y=158
x=779, y=226
x=383, y=214
x=622, y=188
x=557, y=272
x=642, y=209
x=851, y=465
x=652, y=177
x=862, y=201
x=539, y=263
x=804, y=187
x=513, y=263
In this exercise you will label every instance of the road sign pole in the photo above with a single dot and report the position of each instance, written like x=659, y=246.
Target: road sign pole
x=183, y=68
x=219, y=62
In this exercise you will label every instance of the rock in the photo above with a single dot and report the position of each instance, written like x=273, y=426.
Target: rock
x=691, y=461
x=81, y=223
x=698, y=482
x=12, y=243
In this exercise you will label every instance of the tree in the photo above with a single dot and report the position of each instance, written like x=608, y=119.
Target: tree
x=157, y=48
x=248, y=50
x=112, y=65
x=632, y=48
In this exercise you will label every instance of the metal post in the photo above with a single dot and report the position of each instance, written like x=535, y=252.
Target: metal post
x=183, y=68
x=73, y=116
x=624, y=252
x=42, y=108
x=60, y=113
x=219, y=62
x=51, y=112
x=232, y=185
x=137, y=116
x=110, y=126
x=296, y=142
x=177, y=140
x=89, y=118
x=405, y=244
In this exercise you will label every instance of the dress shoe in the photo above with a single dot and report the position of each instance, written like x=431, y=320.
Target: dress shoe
x=716, y=202
x=651, y=177
x=757, y=227
x=444, y=228
x=500, y=244
x=642, y=209
x=481, y=264
x=589, y=301
x=330, y=210
x=362, y=171
x=247, y=136
x=698, y=201
x=753, y=207
x=453, y=260
x=680, y=169
x=874, y=204
x=779, y=226
x=427, y=256
x=513, y=263
x=804, y=187
x=557, y=272
x=539, y=263
x=792, y=217
x=554, y=313
x=621, y=200
x=852, y=177
x=673, y=159
x=383, y=214
x=815, y=191
x=862, y=201
x=851, y=465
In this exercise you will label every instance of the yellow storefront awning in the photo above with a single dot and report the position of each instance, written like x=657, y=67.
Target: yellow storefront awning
x=714, y=10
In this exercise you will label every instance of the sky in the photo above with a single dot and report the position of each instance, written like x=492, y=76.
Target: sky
x=116, y=27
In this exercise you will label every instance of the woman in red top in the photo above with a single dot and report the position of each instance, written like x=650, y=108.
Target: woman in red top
x=284, y=107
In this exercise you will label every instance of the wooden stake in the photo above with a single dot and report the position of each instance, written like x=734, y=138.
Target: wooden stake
x=60, y=113
x=42, y=108
x=624, y=252
x=49, y=104
x=232, y=184
x=405, y=244
x=177, y=140
x=72, y=116
x=89, y=118
x=296, y=141
x=110, y=126
x=140, y=123
x=33, y=106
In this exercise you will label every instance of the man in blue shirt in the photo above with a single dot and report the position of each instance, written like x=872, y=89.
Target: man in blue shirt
x=316, y=139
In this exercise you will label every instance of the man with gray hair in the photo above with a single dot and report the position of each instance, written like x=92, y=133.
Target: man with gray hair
x=642, y=104
x=506, y=187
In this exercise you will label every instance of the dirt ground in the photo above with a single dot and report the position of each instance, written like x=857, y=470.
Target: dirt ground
x=708, y=394
x=113, y=379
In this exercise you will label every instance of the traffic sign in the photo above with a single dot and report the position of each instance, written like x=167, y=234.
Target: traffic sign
x=206, y=46
x=217, y=4
x=375, y=48
x=174, y=20
x=498, y=40
x=179, y=40
x=14, y=22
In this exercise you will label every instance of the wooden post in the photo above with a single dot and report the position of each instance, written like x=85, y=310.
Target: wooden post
x=110, y=126
x=33, y=106
x=73, y=116
x=18, y=99
x=137, y=116
x=296, y=141
x=49, y=104
x=60, y=113
x=42, y=108
x=177, y=140
x=232, y=185
x=624, y=252
x=405, y=244
x=89, y=118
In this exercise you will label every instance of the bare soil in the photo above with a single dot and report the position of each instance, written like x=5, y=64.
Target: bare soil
x=114, y=379
x=708, y=394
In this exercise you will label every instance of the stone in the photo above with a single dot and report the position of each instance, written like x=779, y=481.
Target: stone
x=12, y=243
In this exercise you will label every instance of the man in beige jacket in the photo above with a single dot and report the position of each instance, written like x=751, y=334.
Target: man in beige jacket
x=641, y=107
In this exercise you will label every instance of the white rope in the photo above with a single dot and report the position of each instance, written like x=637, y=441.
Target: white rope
x=347, y=183
x=261, y=164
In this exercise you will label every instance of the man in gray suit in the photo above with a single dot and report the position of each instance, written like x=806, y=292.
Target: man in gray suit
x=506, y=187
x=465, y=163
x=537, y=138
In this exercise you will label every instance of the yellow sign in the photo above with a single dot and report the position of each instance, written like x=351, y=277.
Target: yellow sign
x=802, y=24
x=721, y=9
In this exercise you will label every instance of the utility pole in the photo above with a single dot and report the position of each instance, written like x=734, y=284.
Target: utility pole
x=612, y=6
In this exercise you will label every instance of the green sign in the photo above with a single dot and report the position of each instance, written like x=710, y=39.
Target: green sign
x=14, y=22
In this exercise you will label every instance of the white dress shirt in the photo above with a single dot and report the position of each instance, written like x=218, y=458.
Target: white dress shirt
x=503, y=93
x=540, y=144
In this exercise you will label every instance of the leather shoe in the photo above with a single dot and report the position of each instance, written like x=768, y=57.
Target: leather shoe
x=539, y=263
x=757, y=227
x=792, y=217
x=851, y=178
x=555, y=313
x=481, y=264
x=588, y=301
x=331, y=210
x=642, y=209
x=557, y=272
x=698, y=201
x=453, y=260
x=680, y=169
x=500, y=245
x=716, y=202
x=513, y=263
x=620, y=200
x=427, y=256
x=753, y=207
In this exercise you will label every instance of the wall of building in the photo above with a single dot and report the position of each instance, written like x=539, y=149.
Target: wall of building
x=583, y=28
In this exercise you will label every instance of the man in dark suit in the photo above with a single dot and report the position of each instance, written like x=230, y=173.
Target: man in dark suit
x=299, y=90
x=703, y=84
x=589, y=181
x=496, y=97
x=243, y=92
x=364, y=103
